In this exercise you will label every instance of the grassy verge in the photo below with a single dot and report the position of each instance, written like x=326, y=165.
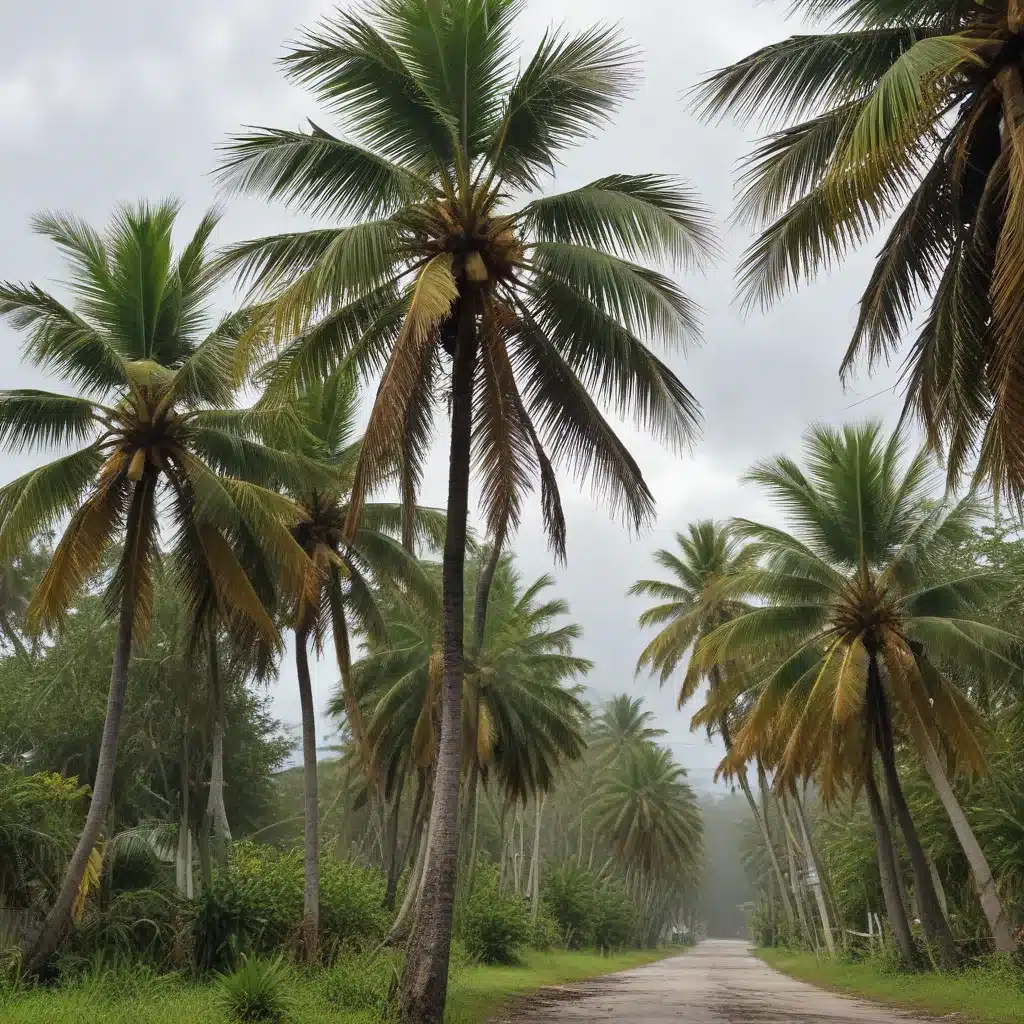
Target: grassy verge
x=476, y=994
x=978, y=995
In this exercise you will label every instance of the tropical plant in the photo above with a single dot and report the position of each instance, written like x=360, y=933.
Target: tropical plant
x=650, y=814
x=910, y=114
x=691, y=605
x=622, y=729
x=257, y=992
x=154, y=410
x=345, y=598
x=850, y=646
x=535, y=306
x=521, y=720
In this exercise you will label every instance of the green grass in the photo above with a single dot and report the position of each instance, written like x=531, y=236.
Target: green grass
x=475, y=995
x=979, y=995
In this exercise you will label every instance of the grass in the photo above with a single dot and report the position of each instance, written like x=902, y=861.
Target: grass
x=981, y=995
x=476, y=994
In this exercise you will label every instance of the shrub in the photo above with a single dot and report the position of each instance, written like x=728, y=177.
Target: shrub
x=612, y=917
x=257, y=991
x=495, y=926
x=227, y=923
x=570, y=893
x=544, y=934
x=364, y=981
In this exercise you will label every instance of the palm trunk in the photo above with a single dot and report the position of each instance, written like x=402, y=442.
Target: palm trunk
x=819, y=866
x=412, y=844
x=794, y=879
x=761, y=821
x=535, y=863
x=407, y=912
x=58, y=920
x=888, y=870
x=311, y=831
x=983, y=880
x=215, y=809
x=392, y=844
x=183, y=853
x=483, y=594
x=936, y=927
x=425, y=979
x=343, y=653
x=812, y=866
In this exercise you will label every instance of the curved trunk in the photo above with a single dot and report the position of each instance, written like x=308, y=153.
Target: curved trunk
x=888, y=870
x=58, y=920
x=311, y=831
x=483, y=594
x=755, y=811
x=935, y=925
x=217, y=813
x=343, y=654
x=403, y=923
x=987, y=893
x=425, y=979
x=814, y=875
x=806, y=921
x=392, y=844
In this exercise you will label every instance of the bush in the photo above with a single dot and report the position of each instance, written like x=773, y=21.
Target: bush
x=570, y=893
x=612, y=917
x=256, y=907
x=544, y=934
x=364, y=981
x=257, y=991
x=495, y=926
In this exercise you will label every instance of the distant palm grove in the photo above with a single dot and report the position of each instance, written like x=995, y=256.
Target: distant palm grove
x=218, y=490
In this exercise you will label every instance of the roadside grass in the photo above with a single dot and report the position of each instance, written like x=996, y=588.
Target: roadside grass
x=476, y=993
x=978, y=995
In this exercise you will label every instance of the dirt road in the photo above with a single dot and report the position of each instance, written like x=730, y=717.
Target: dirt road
x=716, y=983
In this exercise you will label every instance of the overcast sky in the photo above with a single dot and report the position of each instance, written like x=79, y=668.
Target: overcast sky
x=112, y=100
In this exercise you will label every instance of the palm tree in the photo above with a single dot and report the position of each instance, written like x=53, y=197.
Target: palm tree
x=650, y=814
x=345, y=599
x=907, y=113
x=152, y=411
x=690, y=606
x=535, y=306
x=521, y=721
x=859, y=618
x=623, y=729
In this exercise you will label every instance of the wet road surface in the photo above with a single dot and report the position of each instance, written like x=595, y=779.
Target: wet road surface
x=719, y=982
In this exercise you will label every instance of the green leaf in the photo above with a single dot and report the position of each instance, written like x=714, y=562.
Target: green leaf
x=39, y=419
x=649, y=216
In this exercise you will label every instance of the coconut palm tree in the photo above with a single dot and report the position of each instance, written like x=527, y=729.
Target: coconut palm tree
x=858, y=621
x=345, y=599
x=535, y=305
x=906, y=113
x=622, y=729
x=521, y=721
x=650, y=814
x=152, y=412
x=690, y=606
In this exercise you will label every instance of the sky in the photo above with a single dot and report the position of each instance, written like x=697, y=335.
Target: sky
x=111, y=100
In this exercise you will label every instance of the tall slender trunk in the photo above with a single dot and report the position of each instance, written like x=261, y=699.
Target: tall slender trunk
x=476, y=834
x=311, y=830
x=343, y=654
x=393, y=844
x=403, y=923
x=535, y=863
x=794, y=878
x=935, y=925
x=425, y=979
x=483, y=594
x=888, y=869
x=819, y=866
x=58, y=920
x=411, y=846
x=183, y=853
x=215, y=809
x=998, y=921
x=814, y=873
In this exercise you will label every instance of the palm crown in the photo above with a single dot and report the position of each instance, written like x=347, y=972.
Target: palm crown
x=444, y=134
x=915, y=110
